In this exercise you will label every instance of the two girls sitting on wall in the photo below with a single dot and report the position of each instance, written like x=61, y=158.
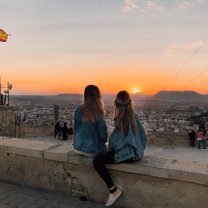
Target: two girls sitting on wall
x=126, y=143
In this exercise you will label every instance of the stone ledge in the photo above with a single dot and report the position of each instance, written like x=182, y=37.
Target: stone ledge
x=58, y=153
x=161, y=167
x=158, y=180
x=23, y=147
x=156, y=167
x=166, y=168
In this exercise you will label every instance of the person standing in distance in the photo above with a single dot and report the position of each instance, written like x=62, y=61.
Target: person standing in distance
x=57, y=130
x=126, y=143
x=90, y=130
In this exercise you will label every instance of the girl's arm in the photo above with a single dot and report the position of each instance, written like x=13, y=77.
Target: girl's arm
x=102, y=128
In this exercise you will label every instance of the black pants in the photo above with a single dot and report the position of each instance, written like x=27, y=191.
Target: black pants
x=192, y=142
x=99, y=163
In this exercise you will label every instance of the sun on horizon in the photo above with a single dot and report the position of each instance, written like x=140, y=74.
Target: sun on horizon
x=135, y=90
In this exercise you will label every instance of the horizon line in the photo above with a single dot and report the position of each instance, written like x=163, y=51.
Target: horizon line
x=104, y=93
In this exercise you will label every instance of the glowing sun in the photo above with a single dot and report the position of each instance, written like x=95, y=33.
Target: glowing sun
x=135, y=90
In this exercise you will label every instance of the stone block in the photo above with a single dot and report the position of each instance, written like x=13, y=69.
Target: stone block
x=79, y=159
x=59, y=153
x=25, y=147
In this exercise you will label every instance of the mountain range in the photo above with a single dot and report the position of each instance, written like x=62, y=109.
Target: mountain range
x=180, y=96
x=164, y=96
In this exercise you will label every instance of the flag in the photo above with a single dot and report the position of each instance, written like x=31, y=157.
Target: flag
x=3, y=36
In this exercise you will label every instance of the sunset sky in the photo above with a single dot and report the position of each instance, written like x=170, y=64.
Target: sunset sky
x=60, y=46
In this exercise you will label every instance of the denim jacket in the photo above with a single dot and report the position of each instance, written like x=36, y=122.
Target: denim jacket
x=89, y=137
x=130, y=146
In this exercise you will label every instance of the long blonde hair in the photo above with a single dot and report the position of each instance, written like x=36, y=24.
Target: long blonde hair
x=124, y=113
x=92, y=108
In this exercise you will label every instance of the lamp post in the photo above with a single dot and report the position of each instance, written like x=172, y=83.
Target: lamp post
x=9, y=87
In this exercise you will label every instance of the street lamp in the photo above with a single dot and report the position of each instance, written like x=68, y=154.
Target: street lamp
x=9, y=87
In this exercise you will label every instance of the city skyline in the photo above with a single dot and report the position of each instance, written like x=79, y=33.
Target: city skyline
x=141, y=46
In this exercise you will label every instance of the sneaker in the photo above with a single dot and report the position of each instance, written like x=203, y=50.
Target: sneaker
x=112, y=197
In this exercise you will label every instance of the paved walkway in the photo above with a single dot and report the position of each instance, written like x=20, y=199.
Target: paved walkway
x=183, y=154
x=13, y=196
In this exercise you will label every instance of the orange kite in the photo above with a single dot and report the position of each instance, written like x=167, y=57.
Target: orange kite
x=3, y=36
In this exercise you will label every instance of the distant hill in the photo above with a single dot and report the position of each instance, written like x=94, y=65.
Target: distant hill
x=50, y=100
x=77, y=98
x=109, y=98
x=180, y=96
x=140, y=96
x=64, y=99
x=69, y=97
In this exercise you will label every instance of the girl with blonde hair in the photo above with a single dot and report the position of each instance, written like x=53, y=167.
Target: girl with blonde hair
x=90, y=130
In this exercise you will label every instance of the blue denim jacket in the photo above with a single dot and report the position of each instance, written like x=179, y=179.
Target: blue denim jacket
x=130, y=146
x=89, y=137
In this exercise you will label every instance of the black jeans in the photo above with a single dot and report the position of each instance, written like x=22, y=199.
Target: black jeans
x=99, y=163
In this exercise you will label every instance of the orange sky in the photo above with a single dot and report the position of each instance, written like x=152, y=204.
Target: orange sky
x=74, y=81
x=62, y=47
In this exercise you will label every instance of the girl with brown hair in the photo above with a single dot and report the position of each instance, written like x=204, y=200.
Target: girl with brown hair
x=126, y=143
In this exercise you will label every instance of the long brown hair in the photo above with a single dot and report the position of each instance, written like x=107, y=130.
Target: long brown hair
x=92, y=108
x=124, y=113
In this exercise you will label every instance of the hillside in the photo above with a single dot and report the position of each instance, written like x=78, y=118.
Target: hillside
x=50, y=100
x=65, y=99
x=180, y=96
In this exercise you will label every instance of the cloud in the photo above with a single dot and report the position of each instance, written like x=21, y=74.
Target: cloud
x=154, y=6
x=174, y=48
x=141, y=6
x=190, y=3
x=130, y=6
x=185, y=4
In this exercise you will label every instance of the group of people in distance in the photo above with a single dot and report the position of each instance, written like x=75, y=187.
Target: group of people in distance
x=126, y=143
x=201, y=137
x=62, y=131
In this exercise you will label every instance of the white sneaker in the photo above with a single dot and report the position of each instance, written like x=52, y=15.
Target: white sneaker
x=112, y=197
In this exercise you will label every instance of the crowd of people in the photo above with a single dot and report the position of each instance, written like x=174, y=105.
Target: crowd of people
x=126, y=143
x=198, y=138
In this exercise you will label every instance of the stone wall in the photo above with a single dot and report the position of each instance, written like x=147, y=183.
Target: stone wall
x=10, y=128
x=7, y=121
x=153, y=182
x=29, y=131
x=168, y=139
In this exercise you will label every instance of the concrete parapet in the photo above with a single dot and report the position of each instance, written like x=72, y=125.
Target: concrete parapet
x=23, y=147
x=58, y=153
x=160, y=179
x=7, y=121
